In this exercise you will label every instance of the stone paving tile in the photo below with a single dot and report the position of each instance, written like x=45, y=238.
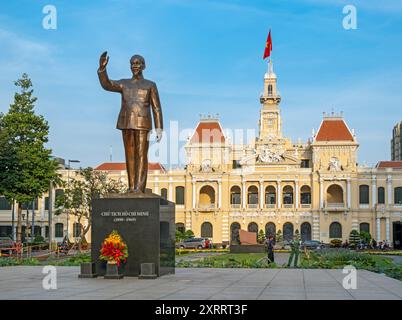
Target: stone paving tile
x=288, y=296
x=186, y=297
x=338, y=296
x=201, y=283
x=374, y=296
x=233, y=296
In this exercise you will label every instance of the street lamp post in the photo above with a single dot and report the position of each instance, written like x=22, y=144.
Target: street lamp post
x=68, y=187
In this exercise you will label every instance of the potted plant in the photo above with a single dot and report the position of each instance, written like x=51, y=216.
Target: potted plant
x=114, y=251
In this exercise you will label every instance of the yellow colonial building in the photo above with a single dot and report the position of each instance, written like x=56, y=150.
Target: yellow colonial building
x=271, y=184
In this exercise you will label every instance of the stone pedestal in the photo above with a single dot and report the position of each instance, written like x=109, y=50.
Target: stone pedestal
x=88, y=270
x=147, y=271
x=146, y=222
x=112, y=272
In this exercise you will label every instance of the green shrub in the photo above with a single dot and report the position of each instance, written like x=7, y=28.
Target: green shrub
x=73, y=261
x=354, y=239
x=336, y=243
x=261, y=236
x=335, y=259
x=365, y=237
x=10, y=261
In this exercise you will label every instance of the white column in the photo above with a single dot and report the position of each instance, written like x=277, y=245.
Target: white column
x=373, y=191
x=170, y=189
x=279, y=192
x=297, y=193
x=321, y=193
x=348, y=193
x=389, y=190
x=378, y=229
x=244, y=201
x=387, y=235
x=219, y=193
x=316, y=227
x=261, y=194
x=156, y=185
x=194, y=193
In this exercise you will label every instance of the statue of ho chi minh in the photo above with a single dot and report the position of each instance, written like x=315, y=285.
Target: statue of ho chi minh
x=138, y=97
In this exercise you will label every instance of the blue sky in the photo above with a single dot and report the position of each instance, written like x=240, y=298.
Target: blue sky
x=206, y=57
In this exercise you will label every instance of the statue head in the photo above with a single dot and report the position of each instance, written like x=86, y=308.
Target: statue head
x=137, y=64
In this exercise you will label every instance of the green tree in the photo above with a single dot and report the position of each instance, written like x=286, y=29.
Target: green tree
x=261, y=236
x=279, y=236
x=365, y=237
x=354, y=239
x=79, y=193
x=26, y=165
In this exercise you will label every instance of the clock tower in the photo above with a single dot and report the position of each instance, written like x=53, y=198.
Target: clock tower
x=270, y=118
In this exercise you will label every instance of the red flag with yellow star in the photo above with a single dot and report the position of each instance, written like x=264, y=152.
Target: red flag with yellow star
x=268, y=46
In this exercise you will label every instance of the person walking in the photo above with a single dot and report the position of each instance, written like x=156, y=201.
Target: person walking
x=295, y=251
x=270, y=243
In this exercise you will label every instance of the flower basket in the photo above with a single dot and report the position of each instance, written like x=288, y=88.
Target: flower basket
x=114, y=251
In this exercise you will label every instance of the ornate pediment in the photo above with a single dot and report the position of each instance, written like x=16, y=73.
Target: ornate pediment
x=275, y=154
x=334, y=165
x=270, y=153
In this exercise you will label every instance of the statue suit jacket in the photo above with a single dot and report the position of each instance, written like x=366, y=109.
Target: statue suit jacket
x=137, y=98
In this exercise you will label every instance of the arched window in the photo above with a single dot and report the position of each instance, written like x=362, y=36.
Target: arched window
x=305, y=231
x=252, y=195
x=364, y=194
x=207, y=197
x=305, y=195
x=77, y=230
x=206, y=230
x=381, y=195
x=235, y=195
x=335, y=194
x=180, y=227
x=58, y=230
x=270, y=89
x=365, y=227
x=288, y=231
x=180, y=195
x=253, y=227
x=398, y=195
x=270, y=195
x=164, y=193
x=270, y=229
x=234, y=233
x=287, y=195
x=335, y=230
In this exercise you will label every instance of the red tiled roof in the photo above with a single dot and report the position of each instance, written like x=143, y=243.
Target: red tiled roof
x=120, y=166
x=389, y=164
x=208, y=132
x=333, y=130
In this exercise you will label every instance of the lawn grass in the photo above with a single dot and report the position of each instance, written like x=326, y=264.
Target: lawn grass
x=331, y=259
x=229, y=260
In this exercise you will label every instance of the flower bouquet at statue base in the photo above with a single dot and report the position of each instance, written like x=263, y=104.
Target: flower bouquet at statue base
x=114, y=251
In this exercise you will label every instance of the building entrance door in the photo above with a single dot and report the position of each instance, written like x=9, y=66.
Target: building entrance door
x=397, y=234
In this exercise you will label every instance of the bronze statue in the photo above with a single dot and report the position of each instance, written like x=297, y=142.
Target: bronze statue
x=138, y=96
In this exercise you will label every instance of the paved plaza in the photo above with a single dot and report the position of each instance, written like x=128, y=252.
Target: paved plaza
x=25, y=282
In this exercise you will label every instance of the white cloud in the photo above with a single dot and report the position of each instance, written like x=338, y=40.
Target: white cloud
x=21, y=46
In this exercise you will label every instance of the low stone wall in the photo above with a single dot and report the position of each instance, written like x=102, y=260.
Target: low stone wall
x=251, y=248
